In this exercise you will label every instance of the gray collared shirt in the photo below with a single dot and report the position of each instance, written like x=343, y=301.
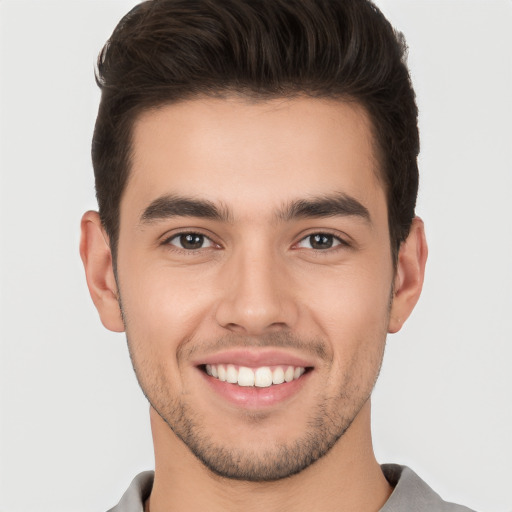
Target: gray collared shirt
x=411, y=493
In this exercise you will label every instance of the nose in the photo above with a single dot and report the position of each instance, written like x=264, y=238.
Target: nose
x=257, y=295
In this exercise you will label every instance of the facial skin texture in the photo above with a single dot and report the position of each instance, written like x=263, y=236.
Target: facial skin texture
x=256, y=284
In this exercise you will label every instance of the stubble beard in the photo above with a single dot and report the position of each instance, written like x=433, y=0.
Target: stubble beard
x=328, y=421
x=280, y=460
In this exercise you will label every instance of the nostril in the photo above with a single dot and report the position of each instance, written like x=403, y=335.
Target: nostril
x=235, y=328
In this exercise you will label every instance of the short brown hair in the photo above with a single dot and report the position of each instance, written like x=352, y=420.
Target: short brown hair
x=164, y=51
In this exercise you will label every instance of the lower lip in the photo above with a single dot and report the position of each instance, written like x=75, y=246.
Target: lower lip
x=252, y=397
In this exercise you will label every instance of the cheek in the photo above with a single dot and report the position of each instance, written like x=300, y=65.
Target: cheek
x=352, y=311
x=350, y=297
x=160, y=314
x=162, y=309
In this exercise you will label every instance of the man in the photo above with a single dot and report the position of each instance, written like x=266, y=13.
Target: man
x=256, y=174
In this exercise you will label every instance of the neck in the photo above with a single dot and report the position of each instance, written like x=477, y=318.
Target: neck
x=347, y=478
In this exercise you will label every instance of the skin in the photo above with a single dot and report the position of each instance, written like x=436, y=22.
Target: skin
x=257, y=283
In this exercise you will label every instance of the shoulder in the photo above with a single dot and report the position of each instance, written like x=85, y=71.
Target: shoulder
x=411, y=493
x=134, y=497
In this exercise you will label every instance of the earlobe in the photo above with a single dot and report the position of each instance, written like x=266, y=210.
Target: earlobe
x=97, y=259
x=410, y=272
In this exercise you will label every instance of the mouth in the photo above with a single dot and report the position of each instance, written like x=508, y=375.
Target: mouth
x=260, y=377
x=255, y=379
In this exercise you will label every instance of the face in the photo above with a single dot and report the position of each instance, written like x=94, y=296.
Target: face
x=255, y=276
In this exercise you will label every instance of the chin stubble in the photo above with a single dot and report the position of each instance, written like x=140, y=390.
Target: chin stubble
x=276, y=462
x=327, y=423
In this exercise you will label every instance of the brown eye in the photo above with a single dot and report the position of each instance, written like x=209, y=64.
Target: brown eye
x=320, y=241
x=190, y=241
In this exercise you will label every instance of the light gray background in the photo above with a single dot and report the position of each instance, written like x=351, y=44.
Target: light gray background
x=74, y=425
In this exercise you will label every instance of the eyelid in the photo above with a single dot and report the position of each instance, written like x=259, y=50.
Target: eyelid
x=344, y=240
x=168, y=236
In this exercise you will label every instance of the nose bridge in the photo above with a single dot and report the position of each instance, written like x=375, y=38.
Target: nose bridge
x=255, y=299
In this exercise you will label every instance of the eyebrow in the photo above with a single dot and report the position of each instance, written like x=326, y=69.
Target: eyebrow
x=169, y=206
x=334, y=205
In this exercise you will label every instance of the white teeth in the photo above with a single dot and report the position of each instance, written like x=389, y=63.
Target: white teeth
x=231, y=374
x=222, y=372
x=278, y=376
x=261, y=377
x=245, y=377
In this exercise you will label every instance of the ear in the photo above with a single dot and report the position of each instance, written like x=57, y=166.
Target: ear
x=97, y=259
x=410, y=272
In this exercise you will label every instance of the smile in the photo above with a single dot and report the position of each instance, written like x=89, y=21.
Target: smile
x=255, y=378
x=261, y=377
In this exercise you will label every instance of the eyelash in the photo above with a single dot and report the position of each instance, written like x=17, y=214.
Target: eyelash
x=341, y=243
x=167, y=242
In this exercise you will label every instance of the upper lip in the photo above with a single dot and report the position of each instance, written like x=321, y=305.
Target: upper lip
x=255, y=358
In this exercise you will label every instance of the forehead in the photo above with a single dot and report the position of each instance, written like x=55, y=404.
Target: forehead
x=252, y=155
